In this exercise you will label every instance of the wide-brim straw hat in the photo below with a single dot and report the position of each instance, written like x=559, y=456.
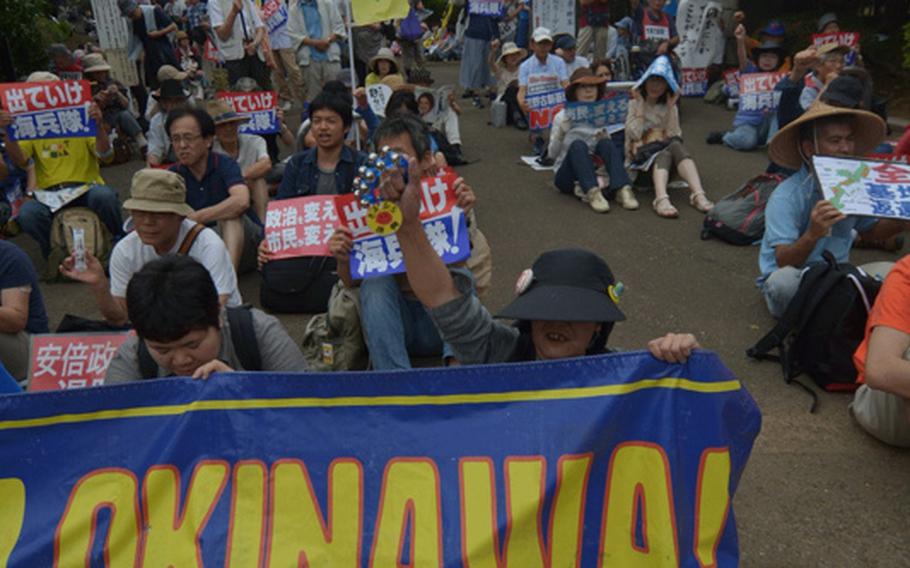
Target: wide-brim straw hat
x=509, y=48
x=384, y=54
x=95, y=62
x=397, y=83
x=868, y=133
x=223, y=113
x=582, y=76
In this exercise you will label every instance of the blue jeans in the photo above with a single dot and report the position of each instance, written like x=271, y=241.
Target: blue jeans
x=35, y=218
x=579, y=167
x=746, y=137
x=396, y=327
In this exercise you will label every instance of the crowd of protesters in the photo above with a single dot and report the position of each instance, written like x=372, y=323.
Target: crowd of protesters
x=196, y=210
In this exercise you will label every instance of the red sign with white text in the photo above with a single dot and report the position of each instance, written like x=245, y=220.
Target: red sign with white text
x=56, y=109
x=260, y=106
x=850, y=39
x=62, y=361
x=301, y=226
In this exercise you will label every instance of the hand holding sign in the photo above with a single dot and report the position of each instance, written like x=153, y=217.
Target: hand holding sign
x=824, y=216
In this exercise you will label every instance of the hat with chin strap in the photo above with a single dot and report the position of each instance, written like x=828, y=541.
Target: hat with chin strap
x=566, y=285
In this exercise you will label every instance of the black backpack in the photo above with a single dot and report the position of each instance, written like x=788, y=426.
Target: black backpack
x=822, y=327
x=243, y=337
x=739, y=218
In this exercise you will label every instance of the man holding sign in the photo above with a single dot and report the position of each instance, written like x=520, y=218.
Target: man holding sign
x=67, y=168
x=542, y=80
x=800, y=224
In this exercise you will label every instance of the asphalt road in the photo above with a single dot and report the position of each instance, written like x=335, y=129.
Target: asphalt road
x=817, y=490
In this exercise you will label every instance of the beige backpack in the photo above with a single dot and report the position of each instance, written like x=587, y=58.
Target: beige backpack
x=97, y=238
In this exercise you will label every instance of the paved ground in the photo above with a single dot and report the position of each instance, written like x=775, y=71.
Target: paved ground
x=817, y=491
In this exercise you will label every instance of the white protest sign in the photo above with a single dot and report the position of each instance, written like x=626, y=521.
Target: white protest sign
x=865, y=187
x=113, y=37
x=701, y=42
x=558, y=16
x=378, y=97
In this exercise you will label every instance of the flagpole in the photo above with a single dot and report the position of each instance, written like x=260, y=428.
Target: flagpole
x=351, y=61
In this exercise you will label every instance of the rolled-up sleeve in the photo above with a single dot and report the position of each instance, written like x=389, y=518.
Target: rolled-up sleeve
x=466, y=325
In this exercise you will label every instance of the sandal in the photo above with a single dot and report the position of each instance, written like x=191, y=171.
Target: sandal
x=700, y=201
x=664, y=208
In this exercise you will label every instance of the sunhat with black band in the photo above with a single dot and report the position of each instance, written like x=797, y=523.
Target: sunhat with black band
x=158, y=191
x=222, y=113
x=584, y=76
x=869, y=130
x=573, y=285
x=509, y=48
x=94, y=62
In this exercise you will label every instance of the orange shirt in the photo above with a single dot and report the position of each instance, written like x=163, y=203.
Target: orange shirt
x=891, y=309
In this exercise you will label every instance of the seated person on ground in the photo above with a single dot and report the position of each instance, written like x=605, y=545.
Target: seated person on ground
x=182, y=330
x=882, y=405
x=540, y=73
x=574, y=146
x=62, y=163
x=171, y=96
x=800, y=224
x=215, y=188
x=21, y=309
x=404, y=102
x=654, y=138
x=158, y=215
x=395, y=325
x=565, y=308
x=382, y=65
x=505, y=70
x=111, y=97
x=751, y=127
x=248, y=150
x=327, y=169
x=443, y=123
x=566, y=48
x=829, y=65
x=364, y=118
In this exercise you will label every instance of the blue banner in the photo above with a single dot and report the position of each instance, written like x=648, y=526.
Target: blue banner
x=617, y=460
x=609, y=113
x=261, y=122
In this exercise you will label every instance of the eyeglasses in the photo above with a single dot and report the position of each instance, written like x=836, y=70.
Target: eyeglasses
x=180, y=140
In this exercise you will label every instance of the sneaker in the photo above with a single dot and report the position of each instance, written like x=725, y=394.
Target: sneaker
x=595, y=198
x=626, y=198
x=477, y=102
x=715, y=138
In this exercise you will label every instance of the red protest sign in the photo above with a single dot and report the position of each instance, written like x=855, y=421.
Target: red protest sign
x=756, y=91
x=850, y=39
x=71, y=360
x=301, y=226
x=57, y=109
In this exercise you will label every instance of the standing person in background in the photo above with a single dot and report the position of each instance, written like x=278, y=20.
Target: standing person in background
x=315, y=29
x=367, y=43
x=197, y=22
x=287, y=73
x=150, y=26
x=21, y=309
x=594, y=27
x=475, y=74
x=239, y=32
x=654, y=31
x=410, y=35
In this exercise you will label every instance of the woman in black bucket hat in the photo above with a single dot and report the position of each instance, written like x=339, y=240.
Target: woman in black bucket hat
x=566, y=303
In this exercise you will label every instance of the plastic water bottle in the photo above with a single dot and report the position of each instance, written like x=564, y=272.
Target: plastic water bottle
x=498, y=114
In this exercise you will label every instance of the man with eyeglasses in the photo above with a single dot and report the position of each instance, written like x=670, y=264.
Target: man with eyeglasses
x=159, y=217
x=215, y=187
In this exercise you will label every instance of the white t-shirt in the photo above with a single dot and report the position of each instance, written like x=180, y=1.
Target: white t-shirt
x=131, y=254
x=252, y=148
x=577, y=63
x=232, y=49
x=539, y=77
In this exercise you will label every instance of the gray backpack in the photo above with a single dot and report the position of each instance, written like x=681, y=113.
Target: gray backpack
x=739, y=218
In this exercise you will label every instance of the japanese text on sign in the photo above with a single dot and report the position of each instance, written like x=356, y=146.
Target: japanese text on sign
x=850, y=39
x=609, y=113
x=865, y=187
x=48, y=110
x=443, y=221
x=378, y=97
x=301, y=226
x=558, y=16
x=486, y=7
x=756, y=91
x=71, y=360
x=544, y=106
x=731, y=83
x=694, y=82
x=274, y=14
x=701, y=43
x=261, y=107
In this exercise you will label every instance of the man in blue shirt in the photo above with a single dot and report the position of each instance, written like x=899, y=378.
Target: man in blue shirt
x=215, y=188
x=800, y=225
x=542, y=77
x=21, y=308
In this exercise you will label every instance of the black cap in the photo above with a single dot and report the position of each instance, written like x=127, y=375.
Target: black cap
x=171, y=89
x=565, y=41
x=566, y=285
x=844, y=91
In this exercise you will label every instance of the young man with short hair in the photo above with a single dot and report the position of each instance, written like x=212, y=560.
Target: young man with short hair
x=800, y=224
x=215, y=187
x=64, y=163
x=182, y=330
x=158, y=214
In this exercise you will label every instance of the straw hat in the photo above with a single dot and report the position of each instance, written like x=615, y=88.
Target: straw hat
x=396, y=83
x=509, y=48
x=384, y=54
x=222, y=113
x=95, y=62
x=582, y=76
x=831, y=47
x=870, y=130
x=42, y=77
